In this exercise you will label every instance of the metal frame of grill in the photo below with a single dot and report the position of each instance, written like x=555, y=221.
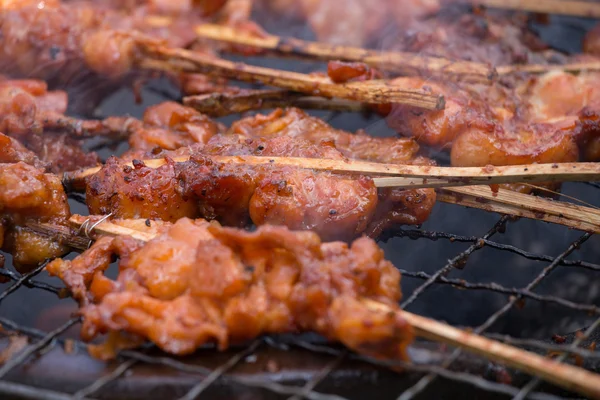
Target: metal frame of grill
x=426, y=375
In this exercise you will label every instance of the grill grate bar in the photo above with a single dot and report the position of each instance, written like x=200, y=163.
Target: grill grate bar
x=435, y=236
x=100, y=383
x=461, y=377
x=426, y=380
x=37, y=347
x=452, y=263
x=30, y=283
x=31, y=392
x=220, y=371
x=535, y=381
x=250, y=382
x=21, y=280
x=556, y=348
x=174, y=364
x=594, y=184
x=494, y=287
x=318, y=378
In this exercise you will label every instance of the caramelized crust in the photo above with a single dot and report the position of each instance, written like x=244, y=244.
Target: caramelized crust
x=139, y=192
x=395, y=206
x=23, y=101
x=199, y=283
x=545, y=119
x=11, y=151
x=30, y=195
x=336, y=206
x=169, y=126
x=29, y=113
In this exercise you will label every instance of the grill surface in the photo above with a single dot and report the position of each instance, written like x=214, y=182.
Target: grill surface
x=517, y=281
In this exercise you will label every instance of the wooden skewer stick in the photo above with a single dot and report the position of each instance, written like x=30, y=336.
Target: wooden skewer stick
x=564, y=375
x=589, y=9
x=541, y=68
x=222, y=104
x=423, y=176
x=399, y=62
x=60, y=234
x=567, y=376
x=508, y=202
x=374, y=91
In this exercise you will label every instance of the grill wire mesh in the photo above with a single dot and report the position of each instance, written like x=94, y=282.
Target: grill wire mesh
x=41, y=341
x=425, y=286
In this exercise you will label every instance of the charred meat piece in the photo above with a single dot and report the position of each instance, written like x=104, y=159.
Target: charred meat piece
x=337, y=206
x=35, y=117
x=29, y=195
x=437, y=28
x=169, y=126
x=11, y=151
x=91, y=48
x=198, y=283
x=25, y=103
x=333, y=205
x=546, y=119
x=409, y=207
x=295, y=123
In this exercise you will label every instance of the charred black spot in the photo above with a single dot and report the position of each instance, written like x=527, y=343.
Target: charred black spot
x=148, y=224
x=54, y=52
x=137, y=164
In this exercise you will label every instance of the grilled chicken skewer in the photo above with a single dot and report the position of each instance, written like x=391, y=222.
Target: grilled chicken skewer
x=293, y=281
x=37, y=205
x=396, y=62
x=575, y=8
x=112, y=45
x=87, y=46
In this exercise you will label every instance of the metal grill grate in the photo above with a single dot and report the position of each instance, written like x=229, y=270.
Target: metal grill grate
x=427, y=374
x=420, y=378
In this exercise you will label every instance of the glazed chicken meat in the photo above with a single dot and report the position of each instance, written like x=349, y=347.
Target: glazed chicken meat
x=220, y=237
x=336, y=206
x=92, y=47
x=30, y=195
x=546, y=119
x=197, y=282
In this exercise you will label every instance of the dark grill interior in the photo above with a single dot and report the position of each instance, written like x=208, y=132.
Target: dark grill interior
x=520, y=282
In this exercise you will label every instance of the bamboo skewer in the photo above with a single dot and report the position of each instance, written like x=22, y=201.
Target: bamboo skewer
x=399, y=62
x=222, y=104
x=567, y=376
x=508, y=202
x=421, y=176
x=589, y=9
x=374, y=91
x=541, y=68
x=564, y=375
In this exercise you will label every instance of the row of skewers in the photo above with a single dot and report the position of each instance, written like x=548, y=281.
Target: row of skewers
x=302, y=182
